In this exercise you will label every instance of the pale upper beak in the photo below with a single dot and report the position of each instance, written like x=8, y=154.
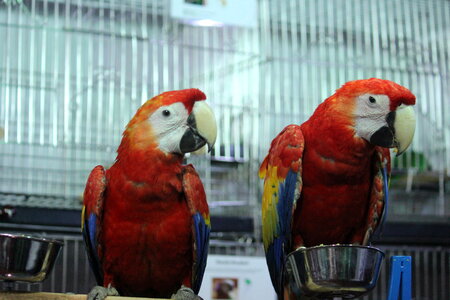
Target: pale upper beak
x=398, y=131
x=404, y=126
x=202, y=131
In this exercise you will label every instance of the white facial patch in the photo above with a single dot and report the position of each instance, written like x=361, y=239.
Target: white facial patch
x=169, y=123
x=370, y=114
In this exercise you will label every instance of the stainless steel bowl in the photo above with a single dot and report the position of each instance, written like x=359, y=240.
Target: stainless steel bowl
x=26, y=258
x=345, y=271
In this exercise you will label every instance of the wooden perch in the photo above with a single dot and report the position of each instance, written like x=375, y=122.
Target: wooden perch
x=56, y=296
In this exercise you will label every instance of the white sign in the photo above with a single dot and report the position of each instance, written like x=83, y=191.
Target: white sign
x=236, y=278
x=215, y=12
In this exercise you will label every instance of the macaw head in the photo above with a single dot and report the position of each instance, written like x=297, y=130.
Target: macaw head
x=175, y=122
x=381, y=111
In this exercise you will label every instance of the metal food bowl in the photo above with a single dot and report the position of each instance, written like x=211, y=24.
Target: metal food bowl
x=345, y=271
x=25, y=258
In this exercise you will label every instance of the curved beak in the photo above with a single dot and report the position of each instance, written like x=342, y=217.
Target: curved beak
x=404, y=126
x=202, y=129
x=399, y=131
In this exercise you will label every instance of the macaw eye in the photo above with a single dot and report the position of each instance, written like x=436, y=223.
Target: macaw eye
x=166, y=113
x=372, y=99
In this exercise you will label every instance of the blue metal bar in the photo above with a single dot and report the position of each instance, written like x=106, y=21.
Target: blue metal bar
x=400, y=278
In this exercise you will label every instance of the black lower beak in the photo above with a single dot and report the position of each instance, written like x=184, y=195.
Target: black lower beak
x=191, y=141
x=385, y=136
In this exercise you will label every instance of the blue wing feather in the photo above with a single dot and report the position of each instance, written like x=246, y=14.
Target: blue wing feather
x=385, y=176
x=276, y=252
x=201, y=228
x=91, y=217
x=89, y=232
x=275, y=256
x=91, y=224
x=202, y=231
x=281, y=170
x=386, y=194
x=286, y=203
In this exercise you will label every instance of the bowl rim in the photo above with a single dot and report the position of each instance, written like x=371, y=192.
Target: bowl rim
x=29, y=237
x=306, y=249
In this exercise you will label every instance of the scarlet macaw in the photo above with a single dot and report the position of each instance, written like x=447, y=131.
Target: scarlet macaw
x=145, y=219
x=325, y=181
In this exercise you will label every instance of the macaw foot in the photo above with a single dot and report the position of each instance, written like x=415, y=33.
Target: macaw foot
x=185, y=293
x=100, y=293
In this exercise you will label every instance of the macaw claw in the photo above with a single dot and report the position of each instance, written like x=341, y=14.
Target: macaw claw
x=185, y=293
x=100, y=293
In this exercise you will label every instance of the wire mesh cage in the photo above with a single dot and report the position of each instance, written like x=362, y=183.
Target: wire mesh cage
x=74, y=72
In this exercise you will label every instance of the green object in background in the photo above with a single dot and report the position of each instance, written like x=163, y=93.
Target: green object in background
x=411, y=159
x=197, y=2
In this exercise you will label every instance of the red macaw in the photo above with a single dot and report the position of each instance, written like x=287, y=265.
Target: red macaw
x=145, y=220
x=325, y=181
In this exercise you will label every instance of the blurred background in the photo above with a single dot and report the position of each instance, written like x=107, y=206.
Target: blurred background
x=72, y=74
